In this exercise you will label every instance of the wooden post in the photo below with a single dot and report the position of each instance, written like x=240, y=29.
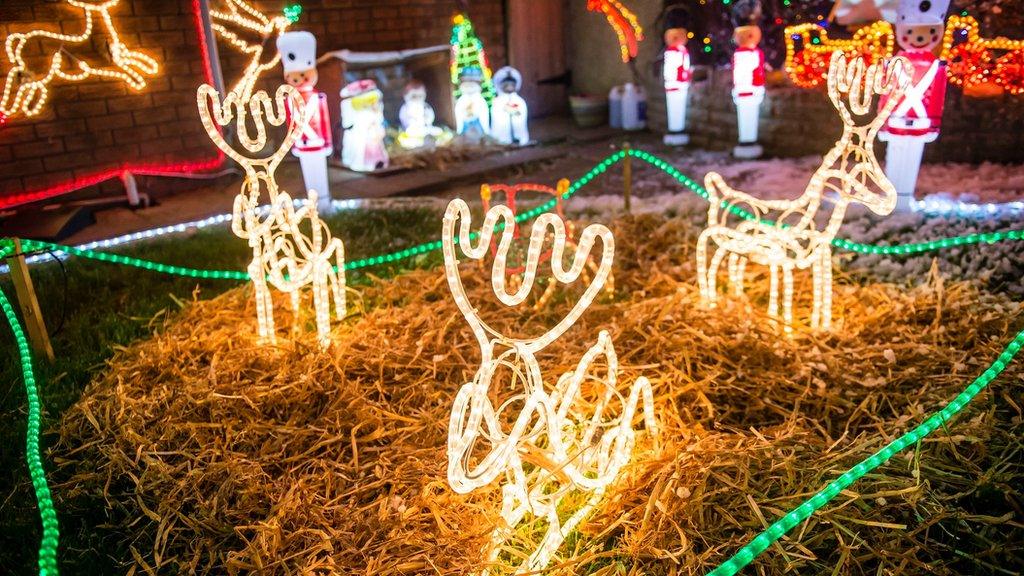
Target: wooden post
x=30, y=312
x=627, y=176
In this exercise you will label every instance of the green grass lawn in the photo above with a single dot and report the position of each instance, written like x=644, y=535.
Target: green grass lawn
x=107, y=306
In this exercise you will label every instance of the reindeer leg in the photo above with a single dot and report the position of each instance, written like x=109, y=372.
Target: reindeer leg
x=741, y=267
x=296, y=296
x=264, y=305
x=339, y=282
x=816, y=278
x=322, y=305
x=826, y=289
x=773, y=293
x=787, y=297
x=702, y=269
x=716, y=261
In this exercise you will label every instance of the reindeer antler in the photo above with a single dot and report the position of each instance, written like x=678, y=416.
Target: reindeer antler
x=216, y=113
x=459, y=210
x=860, y=84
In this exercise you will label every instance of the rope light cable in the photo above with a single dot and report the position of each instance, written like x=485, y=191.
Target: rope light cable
x=794, y=517
x=44, y=501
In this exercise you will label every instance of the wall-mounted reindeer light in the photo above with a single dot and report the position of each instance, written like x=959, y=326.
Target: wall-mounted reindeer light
x=571, y=437
x=26, y=91
x=785, y=233
x=250, y=32
x=291, y=247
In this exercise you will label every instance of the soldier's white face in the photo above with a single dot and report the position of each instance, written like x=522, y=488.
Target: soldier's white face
x=918, y=36
x=471, y=88
x=416, y=95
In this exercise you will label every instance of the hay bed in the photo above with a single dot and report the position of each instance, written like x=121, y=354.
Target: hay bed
x=213, y=455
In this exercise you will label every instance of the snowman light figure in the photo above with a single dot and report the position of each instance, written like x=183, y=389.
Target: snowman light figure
x=313, y=146
x=362, y=117
x=676, y=73
x=509, y=122
x=747, y=76
x=416, y=117
x=472, y=115
x=918, y=116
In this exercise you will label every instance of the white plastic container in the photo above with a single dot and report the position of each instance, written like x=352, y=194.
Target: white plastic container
x=634, y=104
x=615, y=107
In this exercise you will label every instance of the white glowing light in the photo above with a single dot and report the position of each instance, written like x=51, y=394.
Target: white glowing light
x=946, y=207
x=789, y=236
x=26, y=92
x=240, y=20
x=291, y=247
x=559, y=444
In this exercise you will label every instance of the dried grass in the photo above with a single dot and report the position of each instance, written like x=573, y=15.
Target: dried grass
x=218, y=456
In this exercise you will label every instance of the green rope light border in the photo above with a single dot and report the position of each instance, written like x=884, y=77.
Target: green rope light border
x=794, y=517
x=600, y=168
x=47, y=514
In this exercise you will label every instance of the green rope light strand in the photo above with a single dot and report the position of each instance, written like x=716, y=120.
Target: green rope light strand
x=794, y=517
x=33, y=245
x=47, y=514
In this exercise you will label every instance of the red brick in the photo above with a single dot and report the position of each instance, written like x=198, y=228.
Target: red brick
x=88, y=141
x=62, y=128
x=136, y=134
x=155, y=116
x=160, y=146
x=81, y=108
x=5, y=154
x=24, y=167
x=38, y=148
x=139, y=24
x=69, y=160
x=89, y=90
x=111, y=121
x=128, y=103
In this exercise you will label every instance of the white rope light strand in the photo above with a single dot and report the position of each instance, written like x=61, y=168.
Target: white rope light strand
x=560, y=443
x=785, y=233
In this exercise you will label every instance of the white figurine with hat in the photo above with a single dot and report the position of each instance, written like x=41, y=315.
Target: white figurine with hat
x=676, y=72
x=472, y=115
x=417, y=117
x=362, y=117
x=509, y=112
x=313, y=146
x=748, y=72
x=916, y=120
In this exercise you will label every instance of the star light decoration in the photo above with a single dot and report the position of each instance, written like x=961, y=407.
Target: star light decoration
x=971, y=62
x=250, y=31
x=291, y=247
x=510, y=193
x=26, y=91
x=786, y=233
x=625, y=24
x=570, y=438
x=807, y=64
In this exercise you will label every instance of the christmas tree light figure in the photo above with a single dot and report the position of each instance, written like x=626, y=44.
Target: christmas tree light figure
x=468, y=52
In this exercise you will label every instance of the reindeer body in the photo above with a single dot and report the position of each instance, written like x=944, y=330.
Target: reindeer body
x=25, y=89
x=284, y=254
x=559, y=443
x=793, y=234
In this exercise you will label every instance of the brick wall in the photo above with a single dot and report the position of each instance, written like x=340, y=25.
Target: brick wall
x=796, y=122
x=97, y=125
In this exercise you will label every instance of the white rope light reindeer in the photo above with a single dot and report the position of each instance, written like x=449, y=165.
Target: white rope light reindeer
x=291, y=247
x=27, y=91
x=240, y=20
x=786, y=233
x=559, y=443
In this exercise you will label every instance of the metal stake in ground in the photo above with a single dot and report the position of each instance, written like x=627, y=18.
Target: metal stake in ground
x=29, y=304
x=627, y=175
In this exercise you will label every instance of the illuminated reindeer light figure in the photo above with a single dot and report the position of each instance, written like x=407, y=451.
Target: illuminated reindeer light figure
x=26, y=91
x=284, y=255
x=249, y=31
x=785, y=233
x=571, y=438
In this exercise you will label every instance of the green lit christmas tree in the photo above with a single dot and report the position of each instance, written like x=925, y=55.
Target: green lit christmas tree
x=467, y=52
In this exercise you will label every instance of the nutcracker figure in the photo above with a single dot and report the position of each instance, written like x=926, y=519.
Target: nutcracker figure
x=747, y=76
x=472, y=115
x=362, y=117
x=313, y=146
x=417, y=117
x=676, y=72
x=509, y=111
x=917, y=118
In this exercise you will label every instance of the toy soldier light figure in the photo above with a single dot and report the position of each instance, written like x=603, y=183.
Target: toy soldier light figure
x=677, y=73
x=313, y=146
x=916, y=119
x=747, y=76
x=472, y=116
x=416, y=116
x=509, y=112
x=362, y=118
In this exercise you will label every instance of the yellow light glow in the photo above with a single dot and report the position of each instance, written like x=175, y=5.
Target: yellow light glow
x=972, y=62
x=26, y=92
x=806, y=67
x=239, y=20
x=291, y=247
x=790, y=237
x=559, y=443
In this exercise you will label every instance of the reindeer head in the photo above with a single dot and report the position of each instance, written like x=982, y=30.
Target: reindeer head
x=255, y=113
x=485, y=334
x=852, y=87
